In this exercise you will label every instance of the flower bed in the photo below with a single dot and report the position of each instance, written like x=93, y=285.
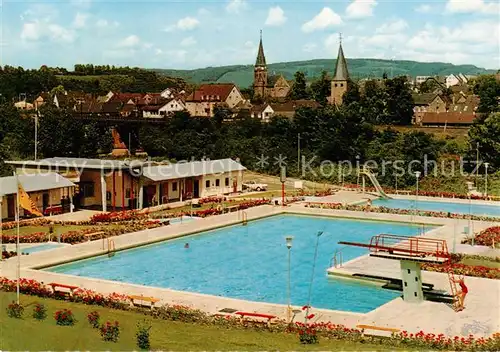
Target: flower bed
x=118, y=216
x=488, y=237
x=26, y=222
x=467, y=270
x=378, y=209
x=73, y=237
x=324, y=329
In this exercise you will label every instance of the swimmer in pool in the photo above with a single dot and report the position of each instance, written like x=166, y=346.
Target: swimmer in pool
x=186, y=245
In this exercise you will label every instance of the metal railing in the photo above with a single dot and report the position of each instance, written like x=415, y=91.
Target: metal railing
x=337, y=260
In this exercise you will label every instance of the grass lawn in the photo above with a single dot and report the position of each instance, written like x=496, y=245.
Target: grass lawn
x=481, y=262
x=30, y=334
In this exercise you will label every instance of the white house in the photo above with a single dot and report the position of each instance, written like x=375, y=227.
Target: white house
x=167, y=109
x=263, y=112
x=203, y=100
x=421, y=79
x=454, y=80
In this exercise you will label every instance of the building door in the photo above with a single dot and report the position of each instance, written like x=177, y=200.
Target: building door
x=235, y=186
x=196, y=189
x=45, y=200
x=189, y=188
x=11, y=206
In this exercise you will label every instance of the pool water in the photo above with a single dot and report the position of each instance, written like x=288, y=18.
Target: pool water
x=40, y=248
x=457, y=208
x=250, y=262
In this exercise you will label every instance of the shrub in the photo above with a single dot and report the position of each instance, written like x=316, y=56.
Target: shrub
x=308, y=335
x=65, y=317
x=15, y=310
x=39, y=312
x=93, y=319
x=110, y=332
x=180, y=313
x=142, y=335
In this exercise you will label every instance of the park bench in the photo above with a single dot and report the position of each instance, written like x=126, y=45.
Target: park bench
x=89, y=236
x=256, y=317
x=403, y=192
x=63, y=290
x=143, y=301
x=376, y=328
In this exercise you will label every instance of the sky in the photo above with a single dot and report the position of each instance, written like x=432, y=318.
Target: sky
x=192, y=34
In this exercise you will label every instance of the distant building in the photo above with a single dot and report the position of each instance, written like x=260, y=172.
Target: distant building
x=421, y=79
x=427, y=102
x=340, y=79
x=274, y=86
x=204, y=99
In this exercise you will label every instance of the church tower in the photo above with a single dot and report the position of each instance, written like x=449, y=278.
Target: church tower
x=340, y=78
x=260, y=72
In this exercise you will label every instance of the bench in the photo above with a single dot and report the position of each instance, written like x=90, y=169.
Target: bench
x=403, y=192
x=56, y=288
x=376, y=328
x=254, y=317
x=93, y=234
x=143, y=301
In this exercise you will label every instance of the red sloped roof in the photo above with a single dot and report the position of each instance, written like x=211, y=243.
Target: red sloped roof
x=212, y=91
x=448, y=117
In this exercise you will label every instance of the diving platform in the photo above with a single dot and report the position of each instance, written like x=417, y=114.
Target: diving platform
x=411, y=252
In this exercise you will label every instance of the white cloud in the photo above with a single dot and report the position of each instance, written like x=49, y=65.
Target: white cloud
x=275, y=17
x=38, y=30
x=392, y=27
x=468, y=6
x=189, y=41
x=184, y=24
x=203, y=12
x=309, y=48
x=236, y=6
x=326, y=18
x=147, y=45
x=158, y=51
x=424, y=8
x=102, y=23
x=360, y=8
x=129, y=42
x=80, y=20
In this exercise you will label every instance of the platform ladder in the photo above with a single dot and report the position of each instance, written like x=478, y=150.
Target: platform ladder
x=111, y=248
x=338, y=258
x=451, y=278
x=244, y=218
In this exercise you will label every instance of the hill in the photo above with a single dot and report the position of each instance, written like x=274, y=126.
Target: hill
x=242, y=75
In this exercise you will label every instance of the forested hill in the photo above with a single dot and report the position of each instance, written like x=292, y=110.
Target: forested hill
x=242, y=75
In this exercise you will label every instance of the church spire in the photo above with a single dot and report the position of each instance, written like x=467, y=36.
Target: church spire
x=341, y=72
x=261, y=58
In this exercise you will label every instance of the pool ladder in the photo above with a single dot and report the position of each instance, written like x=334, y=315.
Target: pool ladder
x=111, y=248
x=244, y=218
x=338, y=258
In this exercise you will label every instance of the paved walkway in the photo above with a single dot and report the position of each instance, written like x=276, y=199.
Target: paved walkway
x=79, y=215
x=482, y=304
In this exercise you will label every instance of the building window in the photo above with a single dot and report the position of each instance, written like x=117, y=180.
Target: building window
x=207, y=184
x=341, y=84
x=335, y=84
x=227, y=182
x=217, y=183
x=87, y=189
x=174, y=186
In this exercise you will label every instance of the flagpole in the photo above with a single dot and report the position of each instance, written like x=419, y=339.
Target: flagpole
x=1, y=227
x=17, y=240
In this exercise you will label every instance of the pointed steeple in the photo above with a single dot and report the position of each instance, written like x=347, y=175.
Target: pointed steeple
x=341, y=72
x=261, y=58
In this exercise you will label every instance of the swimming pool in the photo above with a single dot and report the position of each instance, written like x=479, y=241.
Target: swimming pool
x=458, y=208
x=250, y=262
x=42, y=247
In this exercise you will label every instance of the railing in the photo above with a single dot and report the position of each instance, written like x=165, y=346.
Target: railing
x=412, y=246
x=244, y=218
x=337, y=260
x=111, y=248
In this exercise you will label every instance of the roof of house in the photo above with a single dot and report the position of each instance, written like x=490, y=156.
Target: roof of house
x=125, y=97
x=341, y=71
x=111, y=107
x=81, y=163
x=210, y=92
x=448, y=118
x=191, y=169
x=34, y=182
x=470, y=104
x=293, y=105
x=424, y=98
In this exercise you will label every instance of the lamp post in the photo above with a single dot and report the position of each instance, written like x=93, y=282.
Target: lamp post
x=470, y=234
x=417, y=175
x=289, y=240
x=312, y=275
x=486, y=179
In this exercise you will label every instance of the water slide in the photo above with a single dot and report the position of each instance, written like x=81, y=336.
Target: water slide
x=374, y=180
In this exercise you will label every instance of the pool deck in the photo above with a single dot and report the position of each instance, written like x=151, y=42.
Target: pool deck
x=482, y=304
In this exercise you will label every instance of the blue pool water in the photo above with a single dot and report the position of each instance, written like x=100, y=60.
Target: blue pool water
x=42, y=247
x=250, y=262
x=458, y=208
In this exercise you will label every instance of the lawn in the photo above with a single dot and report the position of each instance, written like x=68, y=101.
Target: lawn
x=28, y=230
x=29, y=334
x=481, y=262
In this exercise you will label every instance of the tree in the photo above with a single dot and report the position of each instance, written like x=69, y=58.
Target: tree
x=488, y=89
x=299, y=90
x=399, y=101
x=486, y=132
x=320, y=89
x=352, y=93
